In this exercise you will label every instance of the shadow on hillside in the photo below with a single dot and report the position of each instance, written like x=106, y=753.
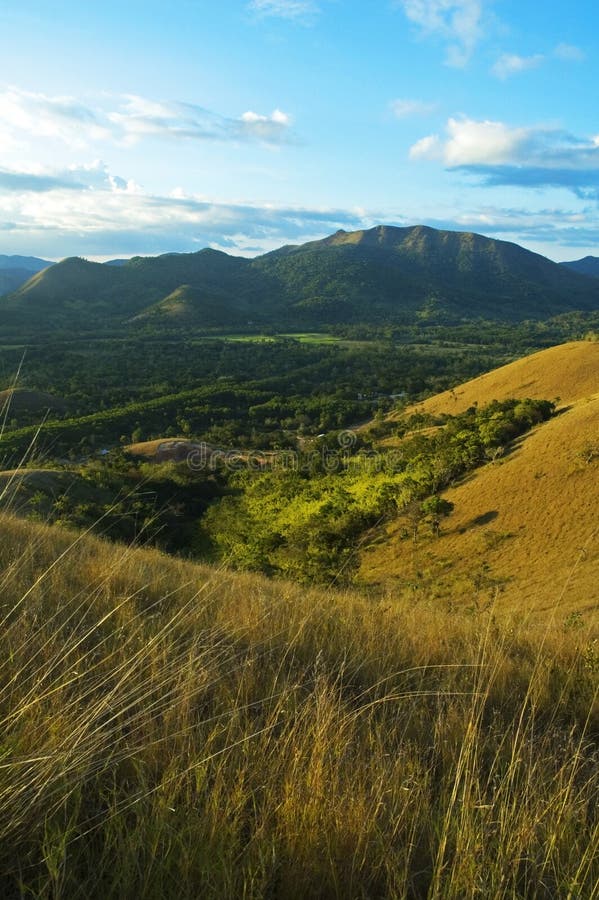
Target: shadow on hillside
x=562, y=409
x=483, y=519
x=515, y=445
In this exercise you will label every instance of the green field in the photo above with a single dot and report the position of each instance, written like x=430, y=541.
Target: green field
x=305, y=337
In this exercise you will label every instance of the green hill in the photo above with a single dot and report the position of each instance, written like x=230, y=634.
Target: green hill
x=79, y=295
x=383, y=275
x=196, y=307
x=72, y=294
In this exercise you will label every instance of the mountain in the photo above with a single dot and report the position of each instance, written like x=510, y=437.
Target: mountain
x=383, y=275
x=16, y=270
x=421, y=273
x=77, y=294
x=526, y=524
x=73, y=294
x=11, y=279
x=30, y=264
x=589, y=265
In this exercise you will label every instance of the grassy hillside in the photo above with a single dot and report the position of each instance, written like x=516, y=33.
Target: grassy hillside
x=149, y=449
x=25, y=406
x=569, y=371
x=173, y=731
x=525, y=526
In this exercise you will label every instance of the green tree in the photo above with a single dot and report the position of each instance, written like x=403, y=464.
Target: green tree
x=434, y=509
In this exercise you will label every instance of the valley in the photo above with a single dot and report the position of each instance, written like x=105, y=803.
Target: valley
x=346, y=433
x=302, y=605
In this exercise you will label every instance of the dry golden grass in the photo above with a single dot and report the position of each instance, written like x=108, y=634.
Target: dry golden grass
x=569, y=371
x=526, y=525
x=531, y=517
x=148, y=449
x=172, y=730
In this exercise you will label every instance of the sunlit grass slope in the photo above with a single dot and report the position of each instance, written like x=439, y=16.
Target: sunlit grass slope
x=525, y=526
x=569, y=372
x=171, y=730
x=148, y=449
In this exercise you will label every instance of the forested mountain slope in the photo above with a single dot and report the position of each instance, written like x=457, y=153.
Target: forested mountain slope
x=383, y=275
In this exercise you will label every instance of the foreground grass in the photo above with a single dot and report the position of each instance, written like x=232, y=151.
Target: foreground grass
x=169, y=730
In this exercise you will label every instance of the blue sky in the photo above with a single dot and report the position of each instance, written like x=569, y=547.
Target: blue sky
x=150, y=127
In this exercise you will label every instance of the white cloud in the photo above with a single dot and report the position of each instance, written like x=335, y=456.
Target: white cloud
x=470, y=142
x=510, y=64
x=429, y=147
x=531, y=157
x=38, y=179
x=39, y=115
x=458, y=22
x=273, y=128
x=402, y=109
x=139, y=117
x=87, y=210
x=279, y=117
x=295, y=10
x=127, y=120
x=91, y=212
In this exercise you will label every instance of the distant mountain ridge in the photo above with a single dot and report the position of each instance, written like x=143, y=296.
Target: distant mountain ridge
x=382, y=275
x=16, y=270
x=28, y=263
x=589, y=265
